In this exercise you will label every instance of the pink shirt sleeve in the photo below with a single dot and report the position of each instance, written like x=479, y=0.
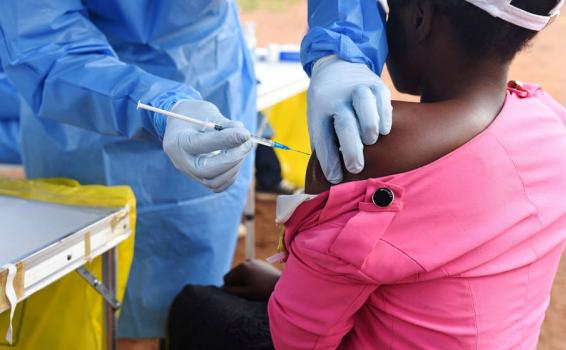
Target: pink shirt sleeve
x=316, y=298
x=334, y=266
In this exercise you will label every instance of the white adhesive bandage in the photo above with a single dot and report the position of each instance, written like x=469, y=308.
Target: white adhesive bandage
x=12, y=298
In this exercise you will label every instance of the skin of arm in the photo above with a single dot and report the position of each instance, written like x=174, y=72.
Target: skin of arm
x=422, y=133
x=253, y=280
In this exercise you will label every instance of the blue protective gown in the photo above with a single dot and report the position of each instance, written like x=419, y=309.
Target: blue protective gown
x=81, y=67
x=354, y=30
x=9, y=121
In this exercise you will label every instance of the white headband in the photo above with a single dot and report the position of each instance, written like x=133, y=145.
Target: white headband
x=506, y=11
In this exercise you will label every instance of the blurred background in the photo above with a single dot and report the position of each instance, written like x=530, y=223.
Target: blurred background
x=285, y=21
x=543, y=63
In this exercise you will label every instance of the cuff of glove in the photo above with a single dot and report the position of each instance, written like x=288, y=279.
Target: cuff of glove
x=322, y=60
x=329, y=60
x=166, y=102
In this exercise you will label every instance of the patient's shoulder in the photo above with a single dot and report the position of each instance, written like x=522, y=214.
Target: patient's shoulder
x=421, y=133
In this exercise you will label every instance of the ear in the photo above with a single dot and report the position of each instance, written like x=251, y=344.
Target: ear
x=422, y=19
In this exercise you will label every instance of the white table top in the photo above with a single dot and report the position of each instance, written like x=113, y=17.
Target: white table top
x=28, y=226
x=48, y=241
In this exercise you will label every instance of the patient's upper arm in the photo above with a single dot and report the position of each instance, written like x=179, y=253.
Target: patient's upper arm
x=421, y=133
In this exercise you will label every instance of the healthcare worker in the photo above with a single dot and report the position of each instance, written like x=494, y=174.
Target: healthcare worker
x=81, y=67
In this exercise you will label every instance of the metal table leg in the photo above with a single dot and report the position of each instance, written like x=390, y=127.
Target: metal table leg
x=107, y=289
x=109, y=278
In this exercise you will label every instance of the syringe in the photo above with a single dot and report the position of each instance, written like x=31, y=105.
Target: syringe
x=214, y=126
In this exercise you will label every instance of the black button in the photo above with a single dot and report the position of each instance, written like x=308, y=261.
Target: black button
x=383, y=197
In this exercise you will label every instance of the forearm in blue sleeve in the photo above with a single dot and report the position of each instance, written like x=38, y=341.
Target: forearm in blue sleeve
x=354, y=30
x=66, y=71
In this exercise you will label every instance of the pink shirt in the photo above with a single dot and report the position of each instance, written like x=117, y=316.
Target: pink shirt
x=463, y=258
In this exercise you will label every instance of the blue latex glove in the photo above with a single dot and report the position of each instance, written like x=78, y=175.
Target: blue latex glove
x=211, y=157
x=351, y=101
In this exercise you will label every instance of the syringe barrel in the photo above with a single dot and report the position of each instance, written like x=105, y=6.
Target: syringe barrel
x=262, y=141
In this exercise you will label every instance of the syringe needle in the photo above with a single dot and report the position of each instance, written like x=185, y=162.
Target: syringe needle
x=296, y=150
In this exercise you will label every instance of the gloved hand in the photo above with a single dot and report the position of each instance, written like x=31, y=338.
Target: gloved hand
x=348, y=99
x=211, y=157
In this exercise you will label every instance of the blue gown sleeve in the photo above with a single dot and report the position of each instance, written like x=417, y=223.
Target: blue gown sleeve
x=354, y=30
x=67, y=71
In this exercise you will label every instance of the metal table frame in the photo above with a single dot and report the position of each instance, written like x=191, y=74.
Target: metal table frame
x=48, y=264
x=107, y=289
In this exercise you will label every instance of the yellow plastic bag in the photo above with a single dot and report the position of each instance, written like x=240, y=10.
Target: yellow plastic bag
x=68, y=314
x=289, y=120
